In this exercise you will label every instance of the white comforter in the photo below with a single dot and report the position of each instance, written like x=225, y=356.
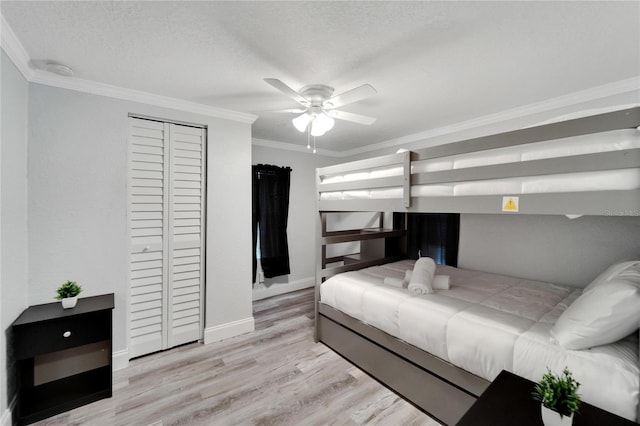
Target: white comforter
x=486, y=323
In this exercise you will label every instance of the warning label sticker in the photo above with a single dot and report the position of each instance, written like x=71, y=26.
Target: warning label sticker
x=509, y=204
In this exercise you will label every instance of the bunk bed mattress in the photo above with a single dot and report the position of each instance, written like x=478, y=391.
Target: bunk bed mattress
x=585, y=144
x=605, y=180
x=486, y=323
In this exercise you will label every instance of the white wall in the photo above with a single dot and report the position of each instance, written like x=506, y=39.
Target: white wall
x=303, y=213
x=77, y=204
x=547, y=248
x=13, y=213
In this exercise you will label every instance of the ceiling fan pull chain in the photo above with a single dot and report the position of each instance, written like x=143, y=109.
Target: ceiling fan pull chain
x=309, y=137
x=314, y=144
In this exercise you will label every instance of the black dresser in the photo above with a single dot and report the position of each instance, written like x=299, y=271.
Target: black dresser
x=63, y=356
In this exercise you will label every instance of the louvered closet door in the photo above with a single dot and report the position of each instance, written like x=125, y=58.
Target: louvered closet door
x=148, y=203
x=166, y=190
x=187, y=234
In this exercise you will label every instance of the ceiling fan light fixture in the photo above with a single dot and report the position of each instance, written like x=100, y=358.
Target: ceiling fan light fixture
x=301, y=122
x=317, y=129
x=325, y=121
x=319, y=103
x=321, y=124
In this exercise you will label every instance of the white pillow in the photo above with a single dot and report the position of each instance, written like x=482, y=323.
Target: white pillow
x=603, y=314
x=611, y=272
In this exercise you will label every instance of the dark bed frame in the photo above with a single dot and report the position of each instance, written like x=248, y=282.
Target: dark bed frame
x=437, y=387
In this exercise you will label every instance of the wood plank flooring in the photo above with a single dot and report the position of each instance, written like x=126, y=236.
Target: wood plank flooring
x=276, y=375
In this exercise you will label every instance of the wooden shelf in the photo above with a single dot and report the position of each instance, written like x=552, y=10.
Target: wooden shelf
x=360, y=235
x=376, y=246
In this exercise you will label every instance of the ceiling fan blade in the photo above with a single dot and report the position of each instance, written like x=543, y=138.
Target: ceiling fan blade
x=350, y=96
x=349, y=116
x=287, y=91
x=293, y=110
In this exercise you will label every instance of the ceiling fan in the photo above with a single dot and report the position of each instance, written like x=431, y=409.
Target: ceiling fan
x=319, y=106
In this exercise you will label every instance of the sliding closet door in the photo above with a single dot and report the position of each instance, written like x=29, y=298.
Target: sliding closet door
x=166, y=218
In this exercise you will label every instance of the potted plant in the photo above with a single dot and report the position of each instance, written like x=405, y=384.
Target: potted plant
x=559, y=397
x=68, y=294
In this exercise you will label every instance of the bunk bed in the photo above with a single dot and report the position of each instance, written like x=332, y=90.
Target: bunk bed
x=579, y=166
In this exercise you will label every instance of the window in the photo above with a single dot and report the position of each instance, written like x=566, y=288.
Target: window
x=434, y=235
x=270, y=189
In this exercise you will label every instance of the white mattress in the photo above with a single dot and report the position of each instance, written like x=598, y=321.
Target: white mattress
x=577, y=145
x=607, y=180
x=486, y=323
x=566, y=182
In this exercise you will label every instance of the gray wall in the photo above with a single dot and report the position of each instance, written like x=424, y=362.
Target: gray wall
x=13, y=212
x=77, y=202
x=302, y=212
x=547, y=248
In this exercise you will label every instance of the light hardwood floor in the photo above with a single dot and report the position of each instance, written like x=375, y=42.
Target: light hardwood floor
x=276, y=375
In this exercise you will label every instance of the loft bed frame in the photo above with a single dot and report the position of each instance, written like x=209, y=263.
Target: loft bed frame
x=437, y=387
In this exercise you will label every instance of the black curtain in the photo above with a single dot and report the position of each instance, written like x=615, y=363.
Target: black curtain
x=270, y=189
x=436, y=235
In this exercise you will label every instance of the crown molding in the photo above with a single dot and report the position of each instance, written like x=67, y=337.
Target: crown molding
x=611, y=89
x=101, y=89
x=18, y=54
x=14, y=49
x=291, y=147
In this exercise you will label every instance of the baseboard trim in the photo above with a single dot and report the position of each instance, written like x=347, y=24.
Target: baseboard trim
x=230, y=329
x=120, y=360
x=7, y=416
x=277, y=289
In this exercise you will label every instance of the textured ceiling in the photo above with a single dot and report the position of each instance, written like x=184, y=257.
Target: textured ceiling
x=433, y=63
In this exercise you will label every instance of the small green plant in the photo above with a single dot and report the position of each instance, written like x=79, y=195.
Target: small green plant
x=68, y=289
x=558, y=393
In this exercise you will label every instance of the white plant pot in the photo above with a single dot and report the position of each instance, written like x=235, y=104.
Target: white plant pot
x=69, y=302
x=553, y=418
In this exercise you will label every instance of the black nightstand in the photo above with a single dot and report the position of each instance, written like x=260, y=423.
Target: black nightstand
x=63, y=356
x=508, y=402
